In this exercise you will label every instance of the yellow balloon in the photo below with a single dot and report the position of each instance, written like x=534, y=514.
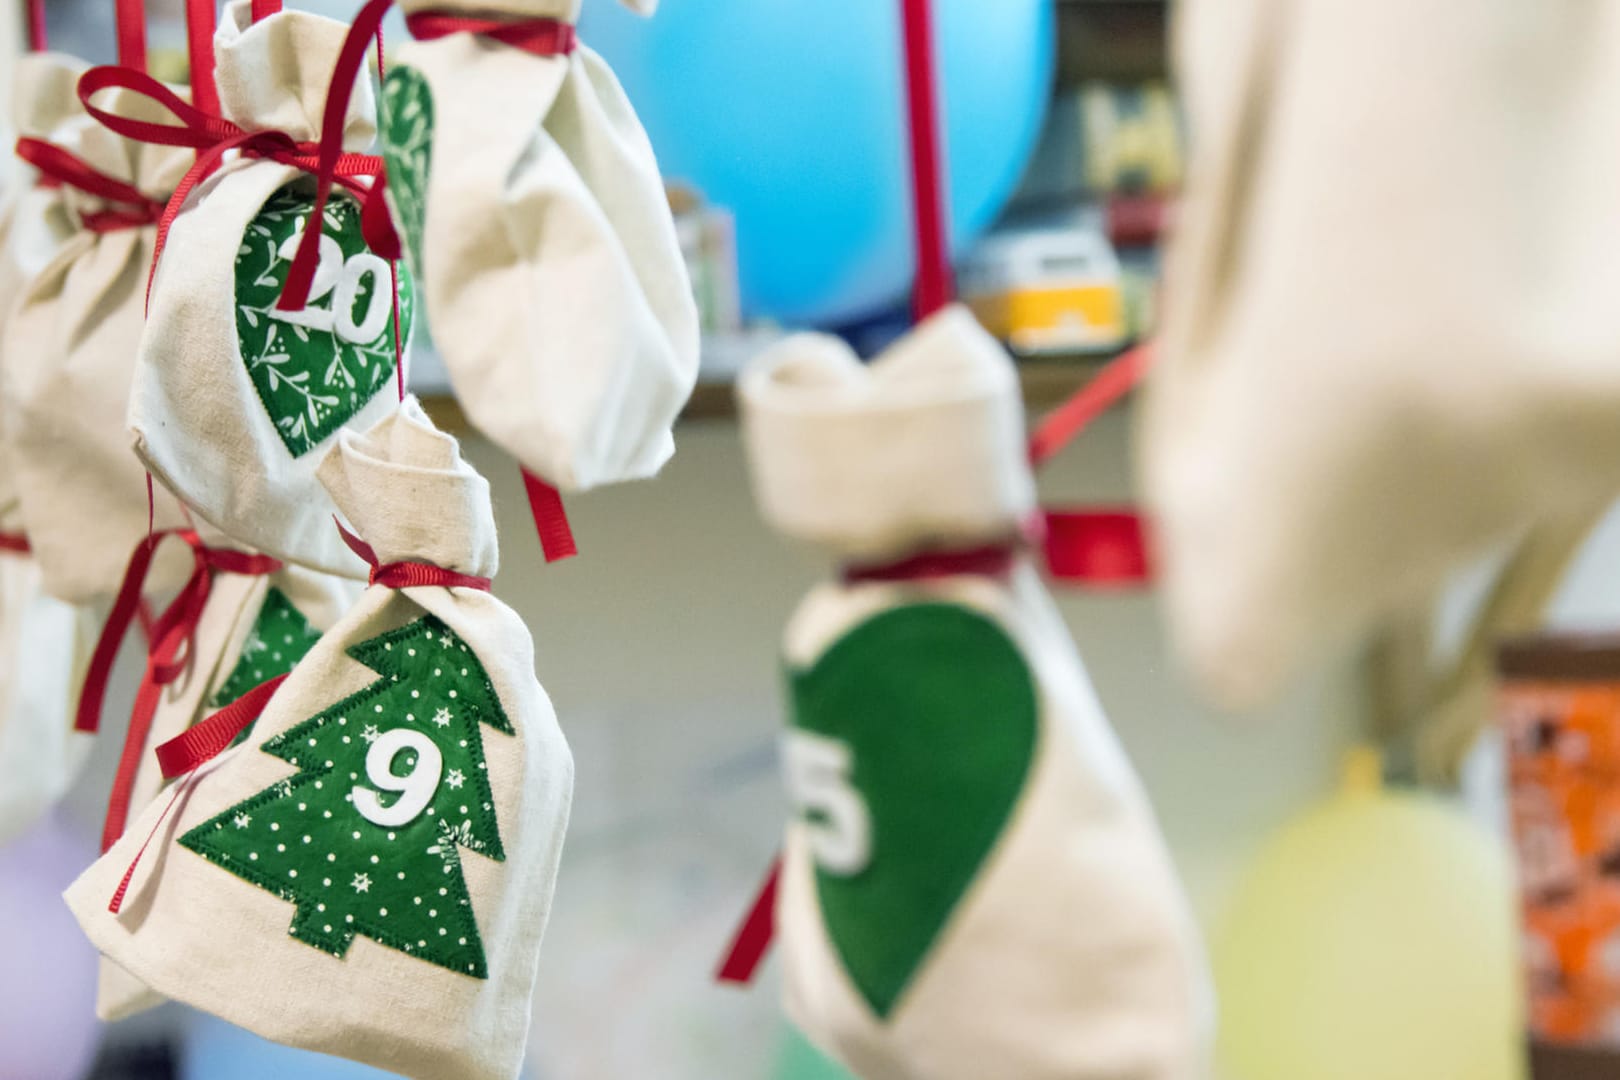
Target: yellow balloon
x=1375, y=939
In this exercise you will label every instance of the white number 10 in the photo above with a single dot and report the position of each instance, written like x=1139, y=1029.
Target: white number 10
x=344, y=275
x=415, y=788
x=833, y=813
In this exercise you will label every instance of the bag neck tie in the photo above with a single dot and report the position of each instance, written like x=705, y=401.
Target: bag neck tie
x=409, y=575
x=57, y=167
x=212, y=137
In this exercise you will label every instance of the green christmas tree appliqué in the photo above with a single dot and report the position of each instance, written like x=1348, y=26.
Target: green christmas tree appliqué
x=407, y=149
x=315, y=368
x=364, y=838
x=279, y=639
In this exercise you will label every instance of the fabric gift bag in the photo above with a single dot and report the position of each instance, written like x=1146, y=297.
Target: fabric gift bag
x=1389, y=337
x=68, y=352
x=370, y=873
x=974, y=884
x=252, y=628
x=536, y=220
x=235, y=402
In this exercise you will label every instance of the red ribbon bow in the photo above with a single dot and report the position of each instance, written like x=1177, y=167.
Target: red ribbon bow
x=169, y=652
x=213, y=137
x=132, y=208
x=409, y=575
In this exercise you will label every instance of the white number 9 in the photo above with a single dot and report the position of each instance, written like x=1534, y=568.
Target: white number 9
x=833, y=813
x=415, y=788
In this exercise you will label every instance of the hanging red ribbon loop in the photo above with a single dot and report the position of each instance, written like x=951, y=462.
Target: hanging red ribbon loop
x=409, y=575
x=169, y=653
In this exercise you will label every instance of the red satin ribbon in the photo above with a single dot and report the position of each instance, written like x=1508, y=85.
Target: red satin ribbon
x=202, y=743
x=15, y=543
x=546, y=37
x=409, y=575
x=753, y=938
x=169, y=653
x=212, y=137
x=132, y=210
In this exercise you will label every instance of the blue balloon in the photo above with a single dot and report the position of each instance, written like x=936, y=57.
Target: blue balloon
x=792, y=114
x=215, y=1050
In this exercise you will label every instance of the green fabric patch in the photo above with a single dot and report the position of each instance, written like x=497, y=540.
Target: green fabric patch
x=314, y=369
x=279, y=639
x=934, y=711
x=392, y=780
x=407, y=149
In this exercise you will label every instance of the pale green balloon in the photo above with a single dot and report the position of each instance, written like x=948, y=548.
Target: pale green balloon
x=1376, y=938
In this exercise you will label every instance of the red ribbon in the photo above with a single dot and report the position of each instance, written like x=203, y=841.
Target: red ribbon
x=131, y=16
x=200, y=744
x=547, y=37
x=62, y=167
x=550, y=518
x=15, y=543
x=409, y=575
x=36, y=26
x=169, y=653
x=993, y=560
x=212, y=137
x=1060, y=427
x=753, y=938
x=933, y=289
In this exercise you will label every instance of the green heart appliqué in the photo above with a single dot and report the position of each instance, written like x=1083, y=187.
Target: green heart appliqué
x=913, y=736
x=314, y=369
x=407, y=149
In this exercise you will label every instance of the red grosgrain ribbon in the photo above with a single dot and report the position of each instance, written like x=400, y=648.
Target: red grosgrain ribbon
x=550, y=518
x=197, y=746
x=15, y=543
x=409, y=575
x=1060, y=427
x=212, y=137
x=933, y=288
x=131, y=208
x=1097, y=547
x=37, y=41
x=205, y=740
x=169, y=652
x=753, y=938
x=545, y=37
x=131, y=16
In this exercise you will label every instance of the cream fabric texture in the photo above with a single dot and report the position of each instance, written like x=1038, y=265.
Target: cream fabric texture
x=228, y=618
x=68, y=352
x=1072, y=955
x=46, y=645
x=198, y=420
x=550, y=269
x=1390, y=334
x=200, y=934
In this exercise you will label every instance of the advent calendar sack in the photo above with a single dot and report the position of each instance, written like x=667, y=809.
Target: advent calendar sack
x=235, y=402
x=44, y=643
x=535, y=217
x=69, y=350
x=1390, y=336
x=252, y=628
x=370, y=873
x=975, y=885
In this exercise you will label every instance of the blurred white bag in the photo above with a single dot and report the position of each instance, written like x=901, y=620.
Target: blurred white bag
x=370, y=873
x=975, y=886
x=235, y=402
x=68, y=352
x=1390, y=335
x=536, y=219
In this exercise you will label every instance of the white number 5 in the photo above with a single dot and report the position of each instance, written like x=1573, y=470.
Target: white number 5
x=415, y=788
x=834, y=815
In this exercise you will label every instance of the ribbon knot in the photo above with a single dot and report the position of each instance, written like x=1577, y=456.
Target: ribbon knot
x=213, y=137
x=169, y=654
x=131, y=207
x=409, y=575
